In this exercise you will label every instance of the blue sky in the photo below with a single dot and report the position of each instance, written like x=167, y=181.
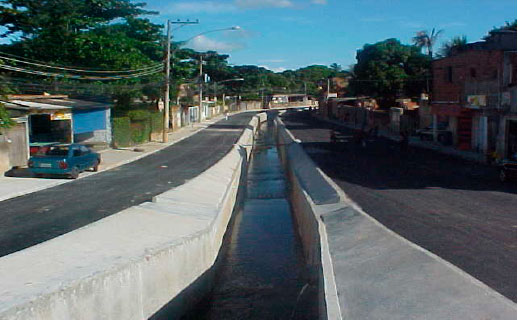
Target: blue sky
x=288, y=34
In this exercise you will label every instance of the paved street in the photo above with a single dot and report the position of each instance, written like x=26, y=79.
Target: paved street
x=456, y=209
x=43, y=215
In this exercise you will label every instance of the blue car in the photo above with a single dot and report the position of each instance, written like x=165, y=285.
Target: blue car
x=64, y=159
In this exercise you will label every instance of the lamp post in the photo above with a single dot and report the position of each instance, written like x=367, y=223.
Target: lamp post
x=200, y=97
x=165, y=133
x=222, y=81
x=183, y=43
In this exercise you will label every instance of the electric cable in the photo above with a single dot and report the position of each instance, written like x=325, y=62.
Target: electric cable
x=75, y=69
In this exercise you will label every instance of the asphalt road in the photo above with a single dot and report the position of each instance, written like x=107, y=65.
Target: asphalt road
x=455, y=209
x=43, y=215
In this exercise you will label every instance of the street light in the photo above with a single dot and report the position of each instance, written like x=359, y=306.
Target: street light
x=183, y=43
x=168, y=63
x=222, y=81
x=234, y=28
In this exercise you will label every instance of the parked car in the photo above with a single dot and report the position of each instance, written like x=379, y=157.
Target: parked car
x=508, y=169
x=65, y=159
x=442, y=133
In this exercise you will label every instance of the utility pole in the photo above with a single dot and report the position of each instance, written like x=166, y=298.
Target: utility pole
x=328, y=88
x=167, y=84
x=201, y=88
x=167, y=75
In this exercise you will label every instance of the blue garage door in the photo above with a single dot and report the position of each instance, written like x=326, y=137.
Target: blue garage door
x=89, y=120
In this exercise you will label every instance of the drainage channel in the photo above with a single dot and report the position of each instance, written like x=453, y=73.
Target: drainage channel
x=262, y=274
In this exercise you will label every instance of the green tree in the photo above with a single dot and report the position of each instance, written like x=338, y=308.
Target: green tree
x=388, y=70
x=448, y=47
x=423, y=39
x=95, y=34
x=336, y=67
x=511, y=26
x=5, y=120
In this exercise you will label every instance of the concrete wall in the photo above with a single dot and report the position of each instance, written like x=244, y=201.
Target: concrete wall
x=131, y=264
x=14, y=150
x=367, y=271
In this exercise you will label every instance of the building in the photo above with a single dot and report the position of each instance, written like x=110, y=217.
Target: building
x=288, y=100
x=474, y=92
x=56, y=118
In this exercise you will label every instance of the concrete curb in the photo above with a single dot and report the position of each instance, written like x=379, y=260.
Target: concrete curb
x=133, y=263
x=370, y=272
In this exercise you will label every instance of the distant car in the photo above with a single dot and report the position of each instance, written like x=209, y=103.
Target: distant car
x=64, y=159
x=508, y=169
x=427, y=133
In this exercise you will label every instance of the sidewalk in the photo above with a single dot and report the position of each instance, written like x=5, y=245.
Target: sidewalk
x=25, y=183
x=416, y=142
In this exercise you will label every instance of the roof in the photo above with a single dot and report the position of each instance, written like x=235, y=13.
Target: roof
x=27, y=105
x=289, y=95
x=57, y=103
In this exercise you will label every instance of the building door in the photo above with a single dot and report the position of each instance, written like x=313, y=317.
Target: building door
x=511, y=138
x=18, y=151
x=464, y=125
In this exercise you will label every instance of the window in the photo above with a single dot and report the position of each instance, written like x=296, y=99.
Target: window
x=57, y=151
x=449, y=74
x=473, y=72
x=512, y=75
x=84, y=150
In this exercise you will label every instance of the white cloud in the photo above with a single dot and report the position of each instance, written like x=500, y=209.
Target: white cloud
x=198, y=7
x=254, y=4
x=272, y=61
x=190, y=7
x=319, y=1
x=277, y=69
x=202, y=43
x=453, y=24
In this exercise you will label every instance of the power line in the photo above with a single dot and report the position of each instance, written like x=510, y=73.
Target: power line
x=80, y=77
x=75, y=69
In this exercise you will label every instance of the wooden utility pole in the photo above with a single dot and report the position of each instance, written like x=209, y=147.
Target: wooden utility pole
x=200, y=98
x=165, y=136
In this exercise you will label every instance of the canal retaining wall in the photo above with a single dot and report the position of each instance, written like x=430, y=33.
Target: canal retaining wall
x=132, y=264
x=366, y=271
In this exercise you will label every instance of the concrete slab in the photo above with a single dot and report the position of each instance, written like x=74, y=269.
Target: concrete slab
x=369, y=272
x=108, y=244
x=128, y=265
x=380, y=276
x=182, y=208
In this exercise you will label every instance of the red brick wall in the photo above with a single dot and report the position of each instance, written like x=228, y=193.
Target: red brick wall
x=485, y=64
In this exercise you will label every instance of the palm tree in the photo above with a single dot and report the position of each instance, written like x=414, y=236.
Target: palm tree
x=456, y=42
x=423, y=39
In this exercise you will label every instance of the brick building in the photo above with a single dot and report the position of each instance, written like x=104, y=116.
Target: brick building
x=474, y=91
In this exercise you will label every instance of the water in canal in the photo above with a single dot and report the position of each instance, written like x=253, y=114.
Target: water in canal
x=262, y=273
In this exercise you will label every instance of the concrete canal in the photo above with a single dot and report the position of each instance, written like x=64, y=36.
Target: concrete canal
x=261, y=273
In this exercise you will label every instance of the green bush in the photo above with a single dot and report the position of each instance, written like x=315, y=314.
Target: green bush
x=140, y=131
x=136, y=127
x=157, y=122
x=139, y=115
x=121, y=132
